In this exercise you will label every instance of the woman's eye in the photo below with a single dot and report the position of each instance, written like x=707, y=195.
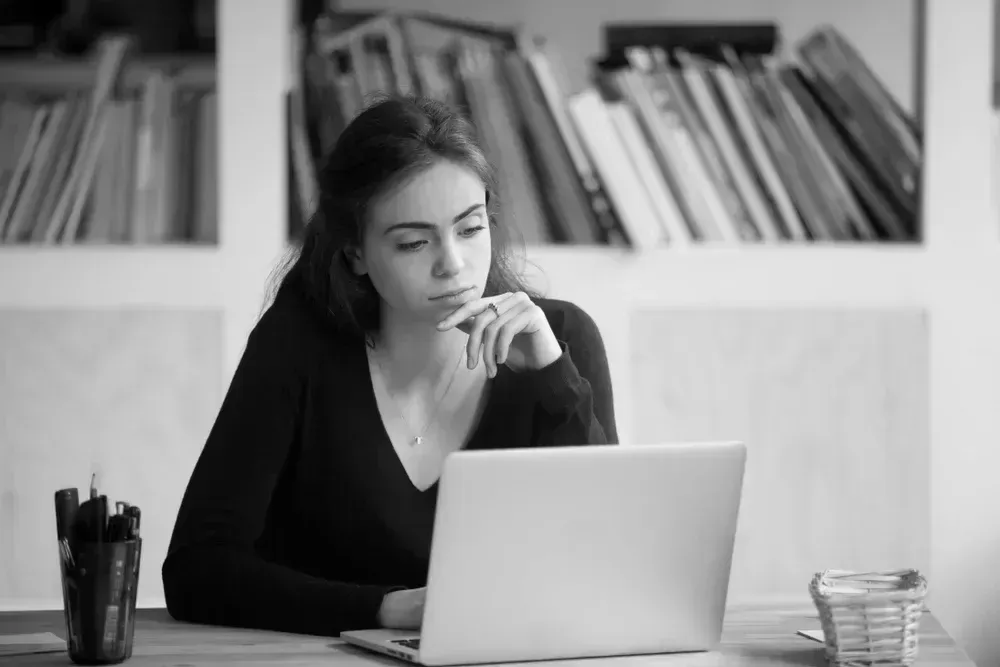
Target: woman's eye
x=472, y=231
x=411, y=246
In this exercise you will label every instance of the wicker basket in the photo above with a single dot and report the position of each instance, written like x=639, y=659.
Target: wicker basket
x=869, y=617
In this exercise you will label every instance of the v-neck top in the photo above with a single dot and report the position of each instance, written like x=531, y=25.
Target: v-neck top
x=299, y=515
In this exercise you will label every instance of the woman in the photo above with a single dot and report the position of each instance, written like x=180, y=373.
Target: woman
x=311, y=506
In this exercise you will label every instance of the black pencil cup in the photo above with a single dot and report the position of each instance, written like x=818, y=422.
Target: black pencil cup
x=99, y=592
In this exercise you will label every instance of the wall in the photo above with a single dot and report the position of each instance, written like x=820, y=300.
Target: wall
x=996, y=57
x=129, y=394
x=831, y=397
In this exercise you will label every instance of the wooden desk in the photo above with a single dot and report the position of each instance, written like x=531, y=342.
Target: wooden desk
x=754, y=635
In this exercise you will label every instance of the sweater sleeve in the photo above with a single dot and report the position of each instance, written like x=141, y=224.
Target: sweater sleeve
x=573, y=395
x=212, y=573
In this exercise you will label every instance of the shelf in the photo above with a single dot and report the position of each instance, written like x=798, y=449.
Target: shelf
x=80, y=277
x=62, y=73
x=753, y=276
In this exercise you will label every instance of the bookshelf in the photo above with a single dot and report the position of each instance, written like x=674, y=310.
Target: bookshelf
x=61, y=74
x=669, y=140
x=948, y=280
x=116, y=222
x=108, y=148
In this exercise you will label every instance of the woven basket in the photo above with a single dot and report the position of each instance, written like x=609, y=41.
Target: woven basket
x=869, y=617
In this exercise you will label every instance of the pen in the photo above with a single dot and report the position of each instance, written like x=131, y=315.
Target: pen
x=100, y=512
x=118, y=524
x=91, y=521
x=66, y=553
x=67, y=503
x=100, y=518
x=134, y=517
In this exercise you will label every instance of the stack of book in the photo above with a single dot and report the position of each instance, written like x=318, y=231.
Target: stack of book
x=673, y=143
x=107, y=151
x=746, y=148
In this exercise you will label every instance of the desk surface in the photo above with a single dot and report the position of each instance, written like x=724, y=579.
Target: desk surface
x=754, y=635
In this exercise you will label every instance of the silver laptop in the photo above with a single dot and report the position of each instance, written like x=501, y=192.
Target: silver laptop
x=573, y=552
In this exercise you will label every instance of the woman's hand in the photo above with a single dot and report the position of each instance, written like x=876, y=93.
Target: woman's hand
x=403, y=610
x=506, y=329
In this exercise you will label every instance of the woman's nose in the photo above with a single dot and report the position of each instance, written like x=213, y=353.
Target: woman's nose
x=449, y=260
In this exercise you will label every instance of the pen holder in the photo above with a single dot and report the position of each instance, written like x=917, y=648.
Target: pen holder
x=99, y=592
x=870, y=618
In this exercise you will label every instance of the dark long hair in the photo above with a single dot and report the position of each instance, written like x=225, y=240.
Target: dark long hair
x=391, y=140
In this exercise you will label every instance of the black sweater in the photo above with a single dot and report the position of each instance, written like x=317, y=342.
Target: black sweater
x=299, y=516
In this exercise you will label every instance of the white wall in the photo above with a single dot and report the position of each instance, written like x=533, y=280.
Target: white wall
x=128, y=394
x=962, y=239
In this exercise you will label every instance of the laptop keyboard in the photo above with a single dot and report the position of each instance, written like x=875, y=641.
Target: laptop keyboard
x=408, y=643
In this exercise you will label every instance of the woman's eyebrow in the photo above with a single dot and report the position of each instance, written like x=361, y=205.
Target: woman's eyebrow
x=429, y=225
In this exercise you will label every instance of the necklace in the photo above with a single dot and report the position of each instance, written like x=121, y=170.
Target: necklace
x=419, y=438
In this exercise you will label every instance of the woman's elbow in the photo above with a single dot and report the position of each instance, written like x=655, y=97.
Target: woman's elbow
x=177, y=587
x=191, y=587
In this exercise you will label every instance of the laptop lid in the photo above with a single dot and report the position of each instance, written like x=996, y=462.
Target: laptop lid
x=564, y=552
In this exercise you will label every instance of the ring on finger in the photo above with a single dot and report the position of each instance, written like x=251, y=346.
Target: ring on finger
x=493, y=307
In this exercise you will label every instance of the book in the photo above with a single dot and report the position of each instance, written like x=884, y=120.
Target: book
x=730, y=138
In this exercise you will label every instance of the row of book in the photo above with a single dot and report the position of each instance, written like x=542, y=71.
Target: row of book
x=751, y=149
x=347, y=59
x=109, y=159
x=667, y=146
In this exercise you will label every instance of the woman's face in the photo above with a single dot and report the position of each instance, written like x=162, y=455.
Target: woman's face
x=426, y=245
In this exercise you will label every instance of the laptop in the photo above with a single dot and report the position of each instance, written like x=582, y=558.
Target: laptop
x=575, y=552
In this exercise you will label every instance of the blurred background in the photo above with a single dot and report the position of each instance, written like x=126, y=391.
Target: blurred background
x=781, y=214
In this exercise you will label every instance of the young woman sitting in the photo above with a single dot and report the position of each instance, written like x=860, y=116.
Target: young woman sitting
x=398, y=334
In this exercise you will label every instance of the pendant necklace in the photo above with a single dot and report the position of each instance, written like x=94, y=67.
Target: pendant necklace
x=417, y=439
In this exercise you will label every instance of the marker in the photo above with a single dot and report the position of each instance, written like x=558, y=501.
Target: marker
x=119, y=523
x=135, y=517
x=67, y=504
x=91, y=521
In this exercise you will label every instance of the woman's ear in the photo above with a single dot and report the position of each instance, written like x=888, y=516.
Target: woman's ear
x=357, y=261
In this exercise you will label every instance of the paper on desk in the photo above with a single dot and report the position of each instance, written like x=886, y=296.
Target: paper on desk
x=816, y=635
x=36, y=642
